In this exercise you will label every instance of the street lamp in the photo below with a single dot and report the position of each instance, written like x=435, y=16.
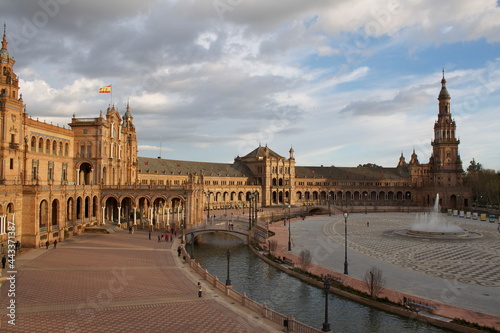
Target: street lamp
x=192, y=245
x=256, y=197
x=228, y=280
x=345, y=237
x=208, y=206
x=250, y=199
x=328, y=199
x=326, y=324
x=366, y=197
x=289, y=231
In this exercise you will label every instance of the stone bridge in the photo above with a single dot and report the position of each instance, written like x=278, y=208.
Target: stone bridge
x=236, y=230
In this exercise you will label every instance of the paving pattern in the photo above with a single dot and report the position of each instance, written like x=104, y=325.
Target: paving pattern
x=473, y=261
x=114, y=283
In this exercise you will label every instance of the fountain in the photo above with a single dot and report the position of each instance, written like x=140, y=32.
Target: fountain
x=433, y=226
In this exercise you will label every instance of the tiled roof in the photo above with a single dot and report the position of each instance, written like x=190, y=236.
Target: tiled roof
x=261, y=152
x=357, y=173
x=164, y=166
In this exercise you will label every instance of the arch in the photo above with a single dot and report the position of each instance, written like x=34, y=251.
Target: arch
x=54, y=147
x=33, y=143
x=95, y=207
x=85, y=174
x=43, y=214
x=55, y=212
x=40, y=145
x=87, y=208
x=69, y=211
x=47, y=146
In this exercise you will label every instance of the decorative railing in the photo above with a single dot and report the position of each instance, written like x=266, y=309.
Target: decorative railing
x=261, y=309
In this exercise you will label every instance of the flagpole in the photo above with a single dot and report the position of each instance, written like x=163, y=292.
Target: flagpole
x=111, y=94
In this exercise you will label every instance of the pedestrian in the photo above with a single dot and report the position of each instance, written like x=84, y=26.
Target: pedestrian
x=367, y=224
x=55, y=243
x=129, y=230
x=46, y=245
x=149, y=235
x=166, y=237
x=175, y=232
x=179, y=251
x=4, y=260
x=171, y=239
x=200, y=289
x=159, y=238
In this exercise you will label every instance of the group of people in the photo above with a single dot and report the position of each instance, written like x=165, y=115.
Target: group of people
x=165, y=237
x=47, y=243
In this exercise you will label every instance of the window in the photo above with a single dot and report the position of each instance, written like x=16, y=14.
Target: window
x=11, y=163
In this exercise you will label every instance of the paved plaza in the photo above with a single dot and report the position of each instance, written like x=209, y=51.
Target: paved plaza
x=461, y=273
x=118, y=282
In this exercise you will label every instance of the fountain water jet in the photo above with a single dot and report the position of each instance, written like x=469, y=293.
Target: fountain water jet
x=433, y=226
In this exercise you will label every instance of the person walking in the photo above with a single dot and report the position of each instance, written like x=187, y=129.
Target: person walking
x=200, y=289
x=4, y=261
x=55, y=243
x=179, y=251
x=149, y=235
x=47, y=245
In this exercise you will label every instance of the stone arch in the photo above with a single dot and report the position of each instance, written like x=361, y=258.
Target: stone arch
x=43, y=214
x=55, y=212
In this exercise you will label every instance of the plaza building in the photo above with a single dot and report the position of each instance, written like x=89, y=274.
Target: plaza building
x=56, y=181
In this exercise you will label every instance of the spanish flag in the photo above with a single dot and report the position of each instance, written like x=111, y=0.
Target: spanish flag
x=105, y=90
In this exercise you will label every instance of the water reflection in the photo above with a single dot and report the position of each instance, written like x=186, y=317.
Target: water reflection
x=289, y=296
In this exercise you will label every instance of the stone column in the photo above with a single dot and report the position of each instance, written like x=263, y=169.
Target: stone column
x=119, y=215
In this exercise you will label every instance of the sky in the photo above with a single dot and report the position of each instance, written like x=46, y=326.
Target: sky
x=342, y=82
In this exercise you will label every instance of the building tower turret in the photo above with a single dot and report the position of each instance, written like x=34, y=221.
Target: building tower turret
x=446, y=165
x=11, y=117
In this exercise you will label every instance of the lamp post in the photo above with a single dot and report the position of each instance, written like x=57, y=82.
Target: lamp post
x=289, y=231
x=366, y=197
x=408, y=196
x=256, y=196
x=328, y=199
x=345, y=237
x=250, y=198
x=192, y=245
x=228, y=280
x=208, y=207
x=326, y=324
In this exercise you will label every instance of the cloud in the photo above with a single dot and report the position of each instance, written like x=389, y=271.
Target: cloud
x=403, y=101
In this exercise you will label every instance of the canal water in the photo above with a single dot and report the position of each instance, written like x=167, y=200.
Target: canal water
x=289, y=296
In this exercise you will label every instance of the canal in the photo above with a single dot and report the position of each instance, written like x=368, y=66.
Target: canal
x=290, y=296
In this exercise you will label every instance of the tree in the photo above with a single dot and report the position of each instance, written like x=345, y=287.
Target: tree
x=304, y=260
x=474, y=166
x=485, y=184
x=374, y=282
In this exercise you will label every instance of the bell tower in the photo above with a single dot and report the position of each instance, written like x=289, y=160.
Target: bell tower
x=445, y=162
x=11, y=117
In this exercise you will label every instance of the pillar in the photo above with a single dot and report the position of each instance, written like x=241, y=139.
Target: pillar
x=119, y=214
x=103, y=214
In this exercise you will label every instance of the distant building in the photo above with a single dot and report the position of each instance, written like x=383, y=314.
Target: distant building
x=56, y=181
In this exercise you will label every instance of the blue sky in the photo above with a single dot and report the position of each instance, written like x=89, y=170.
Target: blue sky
x=342, y=82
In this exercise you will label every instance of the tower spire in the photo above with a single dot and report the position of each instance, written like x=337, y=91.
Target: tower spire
x=3, y=52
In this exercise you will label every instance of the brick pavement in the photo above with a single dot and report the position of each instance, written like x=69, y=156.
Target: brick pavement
x=371, y=245
x=119, y=282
